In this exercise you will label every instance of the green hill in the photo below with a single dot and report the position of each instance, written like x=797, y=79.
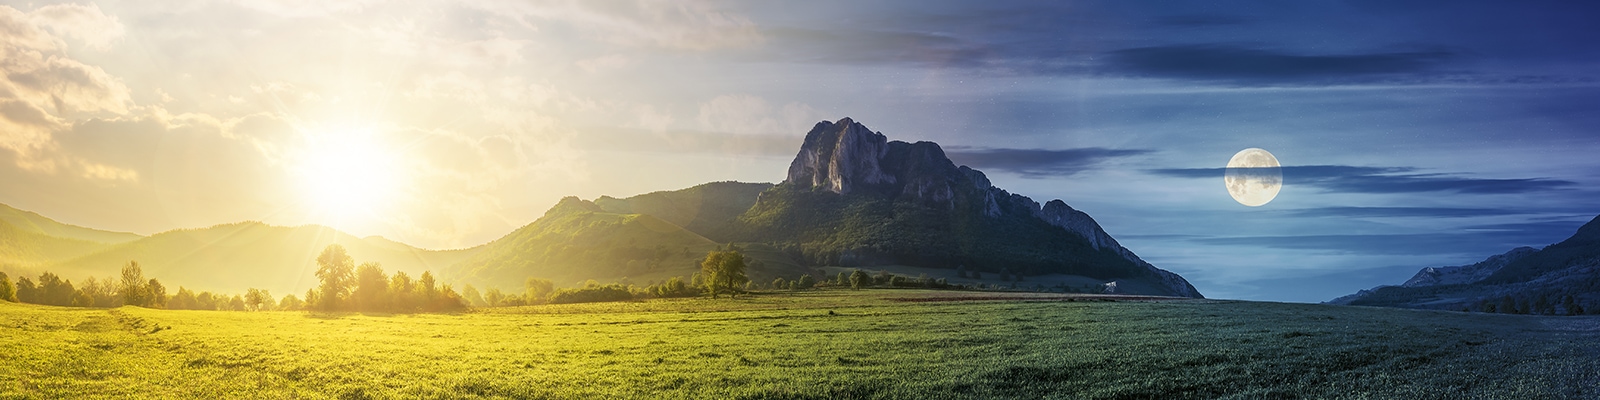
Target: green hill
x=22, y=249
x=710, y=209
x=234, y=257
x=578, y=240
x=28, y=221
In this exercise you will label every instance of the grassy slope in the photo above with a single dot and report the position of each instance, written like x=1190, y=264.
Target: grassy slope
x=789, y=346
x=32, y=222
x=21, y=248
x=576, y=241
x=710, y=209
x=233, y=257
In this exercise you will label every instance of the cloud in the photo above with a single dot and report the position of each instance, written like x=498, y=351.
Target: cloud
x=85, y=23
x=42, y=89
x=691, y=25
x=1038, y=163
x=1353, y=179
x=1487, y=242
x=1256, y=66
x=1203, y=20
x=1425, y=212
x=747, y=114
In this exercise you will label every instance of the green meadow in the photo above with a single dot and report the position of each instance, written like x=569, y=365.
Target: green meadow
x=819, y=344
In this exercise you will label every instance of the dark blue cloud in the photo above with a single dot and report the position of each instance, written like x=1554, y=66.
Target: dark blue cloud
x=1253, y=66
x=1352, y=179
x=1425, y=212
x=1469, y=243
x=1037, y=162
x=1203, y=20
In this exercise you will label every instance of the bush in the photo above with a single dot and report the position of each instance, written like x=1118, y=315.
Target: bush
x=591, y=294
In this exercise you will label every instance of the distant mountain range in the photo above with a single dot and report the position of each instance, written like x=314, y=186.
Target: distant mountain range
x=851, y=198
x=1523, y=275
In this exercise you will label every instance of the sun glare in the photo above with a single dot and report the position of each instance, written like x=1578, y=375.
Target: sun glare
x=347, y=174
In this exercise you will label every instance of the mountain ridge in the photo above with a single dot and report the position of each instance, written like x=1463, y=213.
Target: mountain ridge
x=1549, y=274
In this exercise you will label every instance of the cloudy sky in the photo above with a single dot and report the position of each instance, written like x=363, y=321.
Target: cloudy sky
x=1413, y=133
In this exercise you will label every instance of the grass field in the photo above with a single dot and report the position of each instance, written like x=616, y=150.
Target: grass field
x=817, y=344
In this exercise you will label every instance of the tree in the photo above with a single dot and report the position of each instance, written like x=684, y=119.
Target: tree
x=723, y=271
x=256, y=299
x=55, y=291
x=184, y=300
x=7, y=291
x=27, y=292
x=493, y=297
x=372, y=287
x=843, y=279
x=537, y=291
x=290, y=303
x=778, y=284
x=896, y=281
x=134, y=292
x=474, y=298
x=806, y=282
x=857, y=279
x=401, y=297
x=1507, y=305
x=311, y=299
x=335, y=269
x=426, y=291
x=1570, y=304
x=83, y=299
x=236, y=303
x=157, y=292
x=961, y=271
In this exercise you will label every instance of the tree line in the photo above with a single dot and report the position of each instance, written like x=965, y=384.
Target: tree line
x=344, y=286
x=130, y=288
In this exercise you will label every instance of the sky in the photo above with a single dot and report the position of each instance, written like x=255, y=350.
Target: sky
x=1412, y=133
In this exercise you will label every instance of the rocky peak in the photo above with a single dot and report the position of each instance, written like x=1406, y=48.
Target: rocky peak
x=839, y=156
x=572, y=205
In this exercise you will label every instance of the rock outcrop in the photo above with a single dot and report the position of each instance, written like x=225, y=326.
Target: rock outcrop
x=845, y=157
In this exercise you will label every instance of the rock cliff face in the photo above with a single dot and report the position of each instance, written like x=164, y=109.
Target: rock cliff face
x=845, y=157
x=839, y=156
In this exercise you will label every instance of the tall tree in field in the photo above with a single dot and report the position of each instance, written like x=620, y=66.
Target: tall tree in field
x=256, y=299
x=134, y=292
x=336, y=269
x=858, y=278
x=723, y=271
x=157, y=292
x=7, y=292
x=400, y=296
x=55, y=291
x=474, y=298
x=372, y=287
x=27, y=292
x=427, y=289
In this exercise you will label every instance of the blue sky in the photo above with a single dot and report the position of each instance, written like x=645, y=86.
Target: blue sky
x=1413, y=133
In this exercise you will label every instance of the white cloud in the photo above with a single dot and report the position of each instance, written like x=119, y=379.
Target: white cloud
x=42, y=90
x=747, y=114
x=84, y=23
x=687, y=25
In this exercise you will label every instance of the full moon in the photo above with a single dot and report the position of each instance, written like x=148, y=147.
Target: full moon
x=1253, y=177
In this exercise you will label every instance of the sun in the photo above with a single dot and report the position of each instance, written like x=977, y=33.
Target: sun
x=347, y=174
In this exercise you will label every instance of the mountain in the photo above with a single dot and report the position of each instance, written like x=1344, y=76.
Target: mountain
x=28, y=221
x=1548, y=275
x=233, y=257
x=854, y=198
x=711, y=209
x=29, y=240
x=578, y=240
